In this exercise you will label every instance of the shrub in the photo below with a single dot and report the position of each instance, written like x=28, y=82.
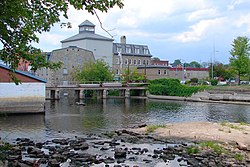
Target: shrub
x=172, y=87
x=214, y=82
x=194, y=80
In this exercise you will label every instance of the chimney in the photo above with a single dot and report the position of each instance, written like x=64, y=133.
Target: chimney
x=123, y=39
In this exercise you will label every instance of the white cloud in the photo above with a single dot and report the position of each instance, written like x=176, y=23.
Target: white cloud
x=202, y=14
x=243, y=20
x=198, y=30
x=234, y=3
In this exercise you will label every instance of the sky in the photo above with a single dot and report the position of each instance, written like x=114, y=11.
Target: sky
x=190, y=30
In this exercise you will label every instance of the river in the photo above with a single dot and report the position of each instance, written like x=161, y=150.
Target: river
x=66, y=119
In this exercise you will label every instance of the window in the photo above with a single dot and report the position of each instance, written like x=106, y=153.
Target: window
x=126, y=61
x=165, y=72
x=130, y=61
x=139, y=62
x=128, y=50
x=145, y=50
x=137, y=50
x=135, y=62
x=65, y=60
x=159, y=72
x=119, y=49
x=117, y=71
x=144, y=61
x=117, y=61
x=65, y=71
x=147, y=62
x=65, y=83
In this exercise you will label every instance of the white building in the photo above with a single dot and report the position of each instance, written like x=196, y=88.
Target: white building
x=27, y=97
x=102, y=47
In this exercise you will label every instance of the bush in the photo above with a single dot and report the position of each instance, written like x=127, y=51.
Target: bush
x=172, y=87
x=194, y=80
x=214, y=82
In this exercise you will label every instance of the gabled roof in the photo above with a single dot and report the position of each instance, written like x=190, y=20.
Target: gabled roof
x=24, y=73
x=86, y=35
x=87, y=23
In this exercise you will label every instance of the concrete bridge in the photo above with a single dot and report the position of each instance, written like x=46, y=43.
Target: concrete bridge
x=101, y=90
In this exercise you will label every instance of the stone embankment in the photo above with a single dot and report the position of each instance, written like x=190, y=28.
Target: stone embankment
x=214, y=96
x=122, y=148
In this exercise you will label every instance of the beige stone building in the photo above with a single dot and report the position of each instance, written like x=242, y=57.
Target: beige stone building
x=183, y=74
x=72, y=58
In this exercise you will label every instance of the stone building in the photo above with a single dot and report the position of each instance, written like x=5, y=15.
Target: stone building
x=129, y=56
x=101, y=46
x=72, y=58
x=183, y=74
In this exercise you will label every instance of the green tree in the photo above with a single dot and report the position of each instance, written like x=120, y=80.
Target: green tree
x=240, y=56
x=94, y=71
x=176, y=63
x=133, y=76
x=195, y=64
x=22, y=20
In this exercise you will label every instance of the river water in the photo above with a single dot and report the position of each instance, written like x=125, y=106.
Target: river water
x=66, y=119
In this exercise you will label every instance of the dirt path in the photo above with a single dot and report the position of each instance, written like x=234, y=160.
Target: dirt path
x=198, y=131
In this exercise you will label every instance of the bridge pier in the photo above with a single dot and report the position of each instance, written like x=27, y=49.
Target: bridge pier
x=127, y=93
x=104, y=93
x=55, y=94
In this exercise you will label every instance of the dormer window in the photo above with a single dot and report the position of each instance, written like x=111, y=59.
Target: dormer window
x=128, y=50
x=137, y=50
x=145, y=50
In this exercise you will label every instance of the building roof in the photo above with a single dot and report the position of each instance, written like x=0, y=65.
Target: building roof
x=153, y=66
x=24, y=73
x=87, y=23
x=133, y=47
x=86, y=35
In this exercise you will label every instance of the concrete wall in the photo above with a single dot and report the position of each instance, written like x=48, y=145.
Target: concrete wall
x=22, y=98
x=101, y=49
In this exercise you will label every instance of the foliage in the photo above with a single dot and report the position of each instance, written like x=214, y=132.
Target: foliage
x=94, y=71
x=214, y=146
x=214, y=82
x=240, y=61
x=172, y=87
x=21, y=21
x=221, y=71
x=156, y=59
x=176, y=63
x=152, y=128
x=193, y=64
x=133, y=76
x=192, y=150
x=113, y=92
x=194, y=80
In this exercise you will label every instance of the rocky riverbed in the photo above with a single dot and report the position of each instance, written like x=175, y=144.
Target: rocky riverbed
x=120, y=148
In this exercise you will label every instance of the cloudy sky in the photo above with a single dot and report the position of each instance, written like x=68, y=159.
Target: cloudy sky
x=172, y=29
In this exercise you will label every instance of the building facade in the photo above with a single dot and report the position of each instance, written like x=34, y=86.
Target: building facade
x=27, y=97
x=129, y=57
x=184, y=74
x=72, y=58
x=102, y=47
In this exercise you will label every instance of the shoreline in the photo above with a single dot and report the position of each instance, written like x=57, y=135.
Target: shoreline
x=195, y=99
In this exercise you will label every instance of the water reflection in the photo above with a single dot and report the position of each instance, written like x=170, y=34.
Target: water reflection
x=64, y=118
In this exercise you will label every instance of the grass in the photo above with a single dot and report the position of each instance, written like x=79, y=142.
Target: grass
x=152, y=128
x=192, y=150
x=232, y=126
x=239, y=157
x=244, y=124
x=214, y=146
